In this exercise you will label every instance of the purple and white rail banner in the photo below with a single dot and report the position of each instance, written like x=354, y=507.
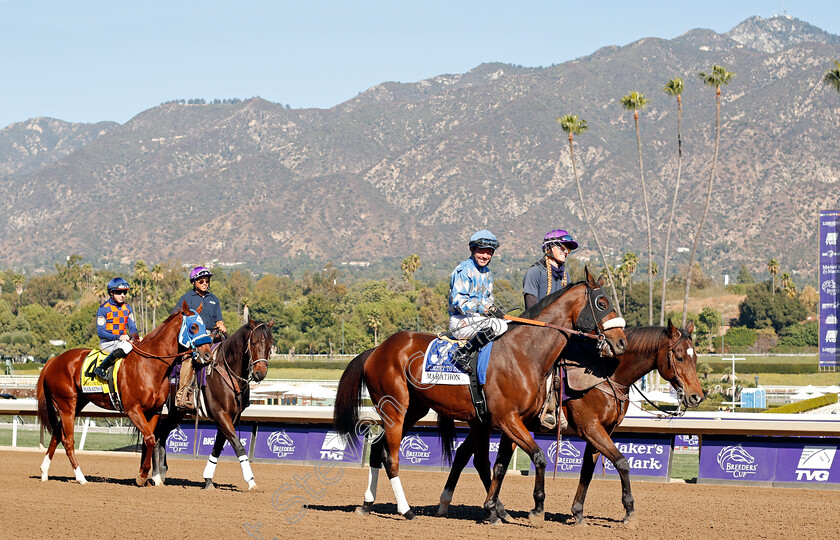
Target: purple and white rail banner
x=648, y=455
x=298, y=443
x=181, y=440
x=829, y=289
x=770, y=460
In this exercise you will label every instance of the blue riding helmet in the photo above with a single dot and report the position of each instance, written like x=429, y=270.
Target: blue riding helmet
x=118, y=284
x=484, y=239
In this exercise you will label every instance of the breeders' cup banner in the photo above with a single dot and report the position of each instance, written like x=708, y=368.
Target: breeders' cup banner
x=181, y=440
x=829, y=289
x=770, y=460
x=648, y=455
x=304, y=444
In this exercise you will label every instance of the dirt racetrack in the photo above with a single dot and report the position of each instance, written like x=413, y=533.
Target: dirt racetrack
x=111, y=506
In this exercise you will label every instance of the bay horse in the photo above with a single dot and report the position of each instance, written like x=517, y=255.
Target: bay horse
x=594, y=415
x=142, y=382
x=519, y=361
x=241, y=358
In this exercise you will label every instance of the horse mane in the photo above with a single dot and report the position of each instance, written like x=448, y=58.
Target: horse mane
x=537, y=308
x=159, y=328
x=645, y=340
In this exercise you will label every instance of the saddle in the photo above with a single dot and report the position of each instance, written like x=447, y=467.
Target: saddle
x=91, y=384
x=479, y=399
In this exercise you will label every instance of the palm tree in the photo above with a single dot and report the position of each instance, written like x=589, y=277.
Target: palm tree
x=832, y=76
x=788, y=286
x=18, y=281
x=673, y=88
x=717, y=77
x=635, y=101
x=410, y=265
x=573, y=125
x=157, y=276
x=773, y=268
x=141, y=275
x=374, y=321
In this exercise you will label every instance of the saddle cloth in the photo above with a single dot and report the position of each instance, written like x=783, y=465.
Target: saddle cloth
x=90, y=383
x=438, y=367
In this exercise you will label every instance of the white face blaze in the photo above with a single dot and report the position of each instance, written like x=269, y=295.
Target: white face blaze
x=690, y=352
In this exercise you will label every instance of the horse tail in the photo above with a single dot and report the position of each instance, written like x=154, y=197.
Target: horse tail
x=349, y=396
x=446, y=432
x=46, y=409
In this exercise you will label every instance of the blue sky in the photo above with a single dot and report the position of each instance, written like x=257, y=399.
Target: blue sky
x=87, y=61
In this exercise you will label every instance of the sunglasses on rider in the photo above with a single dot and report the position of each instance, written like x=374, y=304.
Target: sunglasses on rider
x=203, y=280
x=115, y=293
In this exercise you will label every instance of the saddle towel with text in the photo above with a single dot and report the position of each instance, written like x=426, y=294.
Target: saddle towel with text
x=439, y=369
x=90, y=383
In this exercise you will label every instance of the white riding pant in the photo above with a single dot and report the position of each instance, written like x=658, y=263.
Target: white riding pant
x=467, y=327
x=110, y=346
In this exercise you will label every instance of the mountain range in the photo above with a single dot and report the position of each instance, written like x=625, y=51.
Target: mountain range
x=417, y=167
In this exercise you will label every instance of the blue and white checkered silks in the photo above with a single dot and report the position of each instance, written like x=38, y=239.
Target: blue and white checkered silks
x=470, y=290
x=193, y=332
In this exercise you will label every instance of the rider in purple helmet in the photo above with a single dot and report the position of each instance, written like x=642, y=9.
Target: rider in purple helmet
x=539, y=282
x=211, y=314
x=547, y=275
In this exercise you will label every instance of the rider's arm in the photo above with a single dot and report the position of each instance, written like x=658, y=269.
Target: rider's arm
x=530, y=300
x=132, y=325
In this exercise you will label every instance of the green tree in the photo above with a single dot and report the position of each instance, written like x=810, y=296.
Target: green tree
x=710, y=320
x=717, y=77
x=832, y=76
x=745, y=277
x=409, y=266
x=19, y=282
x=572, y=125
x=773, y=268
x=760, y=309
x=374, y=322
x=673, y=88
x=635, y=101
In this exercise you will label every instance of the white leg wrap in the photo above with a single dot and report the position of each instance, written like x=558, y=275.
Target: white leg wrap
x=402, y=504
x=210, y=468
x=247, y=474
x=79, y=476
x=446, y=498
x=373, y=480
x=45, y=468
x=156, y=480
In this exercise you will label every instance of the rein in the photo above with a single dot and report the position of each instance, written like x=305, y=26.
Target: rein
x=569, y=331
x=251, y=365
x=680, y=410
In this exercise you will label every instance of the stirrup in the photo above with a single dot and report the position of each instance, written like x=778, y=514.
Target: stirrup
x=463, y=364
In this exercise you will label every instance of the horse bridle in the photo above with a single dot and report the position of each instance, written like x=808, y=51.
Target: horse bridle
x=252, y=362
x=680, y=392
x=592, y=321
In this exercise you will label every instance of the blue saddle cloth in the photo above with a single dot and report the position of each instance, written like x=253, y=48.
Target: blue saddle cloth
x=438, y=366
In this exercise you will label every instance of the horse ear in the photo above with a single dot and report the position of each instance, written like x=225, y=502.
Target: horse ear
x=200, y=307
x=251, y=322
x=589, y=278
x=270, y=323
x=184, y=308
x=690, y=327
x=602, y=280
x=673, y=331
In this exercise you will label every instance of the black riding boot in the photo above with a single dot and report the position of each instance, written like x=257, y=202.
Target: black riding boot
x=461, y=358
x=101, y=370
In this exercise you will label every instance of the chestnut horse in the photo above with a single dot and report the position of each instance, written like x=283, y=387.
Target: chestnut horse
x=142, y=381
x=594, y=415
x=520, y=360
x=241, y=358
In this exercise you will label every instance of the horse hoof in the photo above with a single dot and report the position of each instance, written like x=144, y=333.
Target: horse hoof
x=580, y=523
x=409, y=515
x=208, y=486
x=495, y=521
x=44, y=478
x=630, y=522
x=504, y=516
x=141, y=481
x=536, y=519
x=156, y=481
x=442, y=511
x=363, y=510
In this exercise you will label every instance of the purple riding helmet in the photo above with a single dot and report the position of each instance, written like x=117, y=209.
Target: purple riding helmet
x=559, y=237
x=199, y=272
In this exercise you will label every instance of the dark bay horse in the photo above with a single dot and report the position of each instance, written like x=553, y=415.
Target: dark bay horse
x=239, y=359
x=142, y=381
x=519, y=361
x=593, y=415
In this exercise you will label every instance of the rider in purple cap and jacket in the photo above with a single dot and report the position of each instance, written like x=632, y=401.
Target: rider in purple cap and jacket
x=545, y=276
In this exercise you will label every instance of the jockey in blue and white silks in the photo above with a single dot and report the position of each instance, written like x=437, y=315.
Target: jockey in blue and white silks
x=472, y=313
